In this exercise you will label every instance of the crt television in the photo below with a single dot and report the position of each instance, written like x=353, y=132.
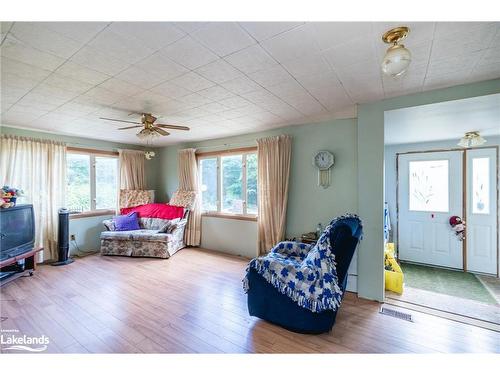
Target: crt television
x=17, y=230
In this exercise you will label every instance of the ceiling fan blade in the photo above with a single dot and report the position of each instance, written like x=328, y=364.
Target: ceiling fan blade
x=161, y=131
x=130, y=127
x=112, y=119
x=176, y=127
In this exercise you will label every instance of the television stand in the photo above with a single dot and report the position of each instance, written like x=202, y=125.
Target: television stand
x=10, y=269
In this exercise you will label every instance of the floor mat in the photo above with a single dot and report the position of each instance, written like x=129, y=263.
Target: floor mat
x=453, y=283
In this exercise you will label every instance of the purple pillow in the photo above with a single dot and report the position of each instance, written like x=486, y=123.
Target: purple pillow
x=126, y=222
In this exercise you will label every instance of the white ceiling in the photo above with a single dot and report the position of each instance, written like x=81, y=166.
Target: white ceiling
x=442, y=121
x=221, y=79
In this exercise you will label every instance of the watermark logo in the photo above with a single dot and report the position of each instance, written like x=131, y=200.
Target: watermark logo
x=11, y=340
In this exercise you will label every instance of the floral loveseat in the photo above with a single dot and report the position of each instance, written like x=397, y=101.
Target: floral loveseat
x=158, y=238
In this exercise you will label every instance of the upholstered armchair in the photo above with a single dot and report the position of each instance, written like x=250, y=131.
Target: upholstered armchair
x=269, y=300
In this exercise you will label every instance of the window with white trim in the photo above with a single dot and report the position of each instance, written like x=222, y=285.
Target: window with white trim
x=228, y=183
x=91, y=181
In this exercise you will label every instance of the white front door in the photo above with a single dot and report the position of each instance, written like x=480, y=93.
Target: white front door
x=429, y=193
x=482, y=210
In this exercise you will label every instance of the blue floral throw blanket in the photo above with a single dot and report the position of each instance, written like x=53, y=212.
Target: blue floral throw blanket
x=305, y=273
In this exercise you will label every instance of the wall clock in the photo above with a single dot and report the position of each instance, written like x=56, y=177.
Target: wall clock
x=323, y=160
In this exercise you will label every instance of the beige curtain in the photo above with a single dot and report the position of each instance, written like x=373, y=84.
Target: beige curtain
x=188, y=180
x=39, y=168
x=274, y=154
x=132, y=170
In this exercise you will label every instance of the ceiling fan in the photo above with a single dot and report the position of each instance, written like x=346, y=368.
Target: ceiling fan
x=150, y=129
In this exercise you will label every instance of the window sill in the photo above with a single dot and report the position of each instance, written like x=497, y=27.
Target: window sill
x=230, y=216
x=95, y=213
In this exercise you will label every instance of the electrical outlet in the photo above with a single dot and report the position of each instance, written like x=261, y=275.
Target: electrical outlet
x=72, y=237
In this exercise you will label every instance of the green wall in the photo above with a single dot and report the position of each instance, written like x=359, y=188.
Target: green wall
x=308, y=203
x=371, y=179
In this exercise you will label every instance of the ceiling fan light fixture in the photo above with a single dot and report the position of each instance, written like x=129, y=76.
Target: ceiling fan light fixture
x=471, y=139
x=397, y=59
x=147, y=133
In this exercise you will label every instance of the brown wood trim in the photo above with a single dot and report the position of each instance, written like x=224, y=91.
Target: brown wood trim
x=94, y=213
x=464, y=208
x=230, y=216
x=78, y=150
x=240, y=150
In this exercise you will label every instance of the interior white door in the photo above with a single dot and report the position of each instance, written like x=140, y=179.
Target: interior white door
x=481, y=211
x=429, y=193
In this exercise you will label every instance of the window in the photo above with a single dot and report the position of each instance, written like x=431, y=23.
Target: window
x=91, y=181
x=429, y=185
x=480, y=185
x=228, y=182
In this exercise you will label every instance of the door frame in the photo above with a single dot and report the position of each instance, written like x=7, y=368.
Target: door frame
x=464, y=194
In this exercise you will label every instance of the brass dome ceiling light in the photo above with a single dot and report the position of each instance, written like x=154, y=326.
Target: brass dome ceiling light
x=397, y=58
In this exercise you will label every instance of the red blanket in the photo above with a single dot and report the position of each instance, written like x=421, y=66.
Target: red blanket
x=156, y=210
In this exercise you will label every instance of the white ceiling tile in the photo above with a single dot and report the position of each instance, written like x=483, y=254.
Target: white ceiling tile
x=22, y=70
x=460, y=43
x=190, y=27
x=235, y=102
x=79, y=31
x=241, y=85
x=170, y=90
x=251, y=59
x=443, y=29
x=189, y=53
x=271, y=77
x=76, y=109
x=65, y=83
x=120, y=87
x=223, y=38
x=304, y=89
x=306, y=66
x=265, y=30
x=214, y=107
x=356, y=51
x=19, y=51
x=155, y=35
x=331, y=34
x=41, y=38
x=80, y=73
x=139, y=77
x=100, y=96
x=490, y=56
x=218, y=71
x=162, y=67
x=451, y=65
x=215, y=93
x=192, y=81
x=292, y=44
x=100, y=61
x=123, y=47
x=195, y=100
x=17, y=117
x=289, y=88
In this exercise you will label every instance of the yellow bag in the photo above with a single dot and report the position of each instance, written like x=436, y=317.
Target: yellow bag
x=394, y=277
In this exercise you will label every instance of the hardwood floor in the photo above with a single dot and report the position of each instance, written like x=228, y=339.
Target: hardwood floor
x=194, y=303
